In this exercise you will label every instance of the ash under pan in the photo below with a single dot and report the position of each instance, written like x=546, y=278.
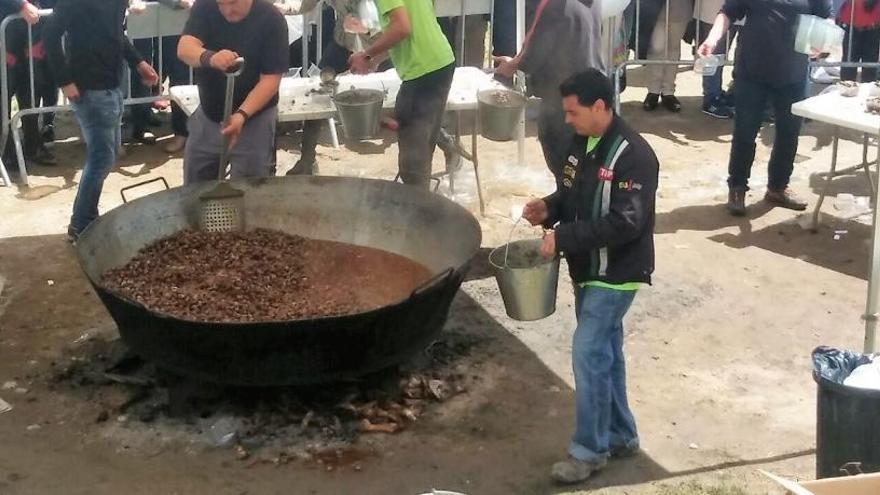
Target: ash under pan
x=425, y=228
x=140, y=404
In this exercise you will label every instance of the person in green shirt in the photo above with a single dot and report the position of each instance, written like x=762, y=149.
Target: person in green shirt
x=425, y=63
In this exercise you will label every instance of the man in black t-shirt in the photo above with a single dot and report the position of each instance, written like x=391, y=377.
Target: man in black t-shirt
x=216, y=34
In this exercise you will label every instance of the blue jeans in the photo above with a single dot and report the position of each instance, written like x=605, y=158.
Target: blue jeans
x=603, y=418
x=751, y=101
x=99, y=113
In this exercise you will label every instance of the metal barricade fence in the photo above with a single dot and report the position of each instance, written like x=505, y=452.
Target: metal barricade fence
x=617, y=70
x=156, y=21
x=159, y=21
x=632, y=31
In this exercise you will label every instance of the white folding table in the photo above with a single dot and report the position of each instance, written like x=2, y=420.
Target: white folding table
x=299, y=100
x=849, y=113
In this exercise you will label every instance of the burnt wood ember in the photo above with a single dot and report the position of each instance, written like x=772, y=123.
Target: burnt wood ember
x=262, y=275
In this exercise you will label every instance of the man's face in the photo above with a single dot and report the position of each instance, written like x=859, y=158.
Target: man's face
x=585, y=120
x=234, y=10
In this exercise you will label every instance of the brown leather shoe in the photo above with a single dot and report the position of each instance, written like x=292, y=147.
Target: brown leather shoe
x=736, y=201
x=786, y=199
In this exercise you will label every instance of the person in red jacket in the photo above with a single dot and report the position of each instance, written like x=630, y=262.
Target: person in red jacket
x=862, y=24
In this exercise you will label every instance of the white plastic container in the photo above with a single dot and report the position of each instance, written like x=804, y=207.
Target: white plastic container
x=817, y=34
x=706, y=66
x=612, y=8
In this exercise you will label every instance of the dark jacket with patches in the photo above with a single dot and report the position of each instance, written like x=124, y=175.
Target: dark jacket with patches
x=604, y=204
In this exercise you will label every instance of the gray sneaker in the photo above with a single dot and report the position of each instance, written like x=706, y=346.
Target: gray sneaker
x=447, y=144
x=573, y=470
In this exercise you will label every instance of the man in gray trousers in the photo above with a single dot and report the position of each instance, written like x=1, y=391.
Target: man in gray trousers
x=216, y=34
x=565, y=38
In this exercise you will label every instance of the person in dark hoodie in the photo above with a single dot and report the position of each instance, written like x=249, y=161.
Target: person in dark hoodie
x=603, y=213
x=565, y=38
x=88, y=68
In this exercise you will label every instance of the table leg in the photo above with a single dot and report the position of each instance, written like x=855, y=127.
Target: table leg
x=870, y=315
x=475, y=162
x=334, y=137
x=4, y=174
x=867, y=167
x=19, y=153
x=827, y=185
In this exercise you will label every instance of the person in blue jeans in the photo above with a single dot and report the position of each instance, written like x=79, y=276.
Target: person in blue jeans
x=602, y=216
x=89, y=71
x=768, y=70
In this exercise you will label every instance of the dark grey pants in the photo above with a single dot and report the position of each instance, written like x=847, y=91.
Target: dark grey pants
x=419, y=111
x=553, y=133
x=252, y=156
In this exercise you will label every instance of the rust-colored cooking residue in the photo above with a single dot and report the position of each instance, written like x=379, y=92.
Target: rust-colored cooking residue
x=262, y=275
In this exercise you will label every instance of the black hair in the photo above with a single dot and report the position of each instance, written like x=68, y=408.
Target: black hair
x=589, y=86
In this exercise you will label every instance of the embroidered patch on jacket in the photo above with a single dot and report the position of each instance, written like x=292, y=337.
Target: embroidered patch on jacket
x=605, y=174
x=629, y=185
x=568, y=174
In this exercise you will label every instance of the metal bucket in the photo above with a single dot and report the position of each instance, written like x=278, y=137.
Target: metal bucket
x=500, y=113
x=359, y=111
x=526, y=279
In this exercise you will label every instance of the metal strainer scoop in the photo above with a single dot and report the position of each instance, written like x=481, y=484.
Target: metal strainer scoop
x=222, y=207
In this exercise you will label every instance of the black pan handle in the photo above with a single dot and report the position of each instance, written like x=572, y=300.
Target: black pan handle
x=139, y=184
x=431, y=282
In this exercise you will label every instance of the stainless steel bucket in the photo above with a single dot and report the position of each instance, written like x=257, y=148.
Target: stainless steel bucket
x=359, y=111
x=500, y=113
x=526, y=279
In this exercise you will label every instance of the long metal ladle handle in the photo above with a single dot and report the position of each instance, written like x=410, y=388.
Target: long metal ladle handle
x=231, y=74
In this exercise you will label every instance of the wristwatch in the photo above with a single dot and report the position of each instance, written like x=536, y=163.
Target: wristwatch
x=243, y=114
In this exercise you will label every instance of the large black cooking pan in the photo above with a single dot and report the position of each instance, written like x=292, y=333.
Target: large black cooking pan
x=424, y=227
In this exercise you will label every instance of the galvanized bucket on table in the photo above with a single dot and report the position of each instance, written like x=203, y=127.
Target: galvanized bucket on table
x=526, y=279
x=500, y=113
x=359, y=111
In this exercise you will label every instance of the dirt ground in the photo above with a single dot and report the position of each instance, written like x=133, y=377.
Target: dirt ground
x=718, y=347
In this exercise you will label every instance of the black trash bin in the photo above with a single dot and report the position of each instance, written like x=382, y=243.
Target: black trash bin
x=848, y=418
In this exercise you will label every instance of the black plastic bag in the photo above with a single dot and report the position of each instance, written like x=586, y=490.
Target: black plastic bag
x=836, y=365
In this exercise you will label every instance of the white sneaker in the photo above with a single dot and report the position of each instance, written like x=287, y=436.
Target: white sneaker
x=175, y=145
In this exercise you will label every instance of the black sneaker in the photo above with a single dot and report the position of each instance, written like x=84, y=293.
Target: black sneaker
x=302, y=167
x=671, y=103
x=717, y=110
x=43, y=157
x=727, y=99
x=48, y=133
x=736, y=201
x=651, y=102
x=145, y=137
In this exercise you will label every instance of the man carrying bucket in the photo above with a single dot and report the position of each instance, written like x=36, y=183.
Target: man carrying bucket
x=425, y=63
x=603, y=213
